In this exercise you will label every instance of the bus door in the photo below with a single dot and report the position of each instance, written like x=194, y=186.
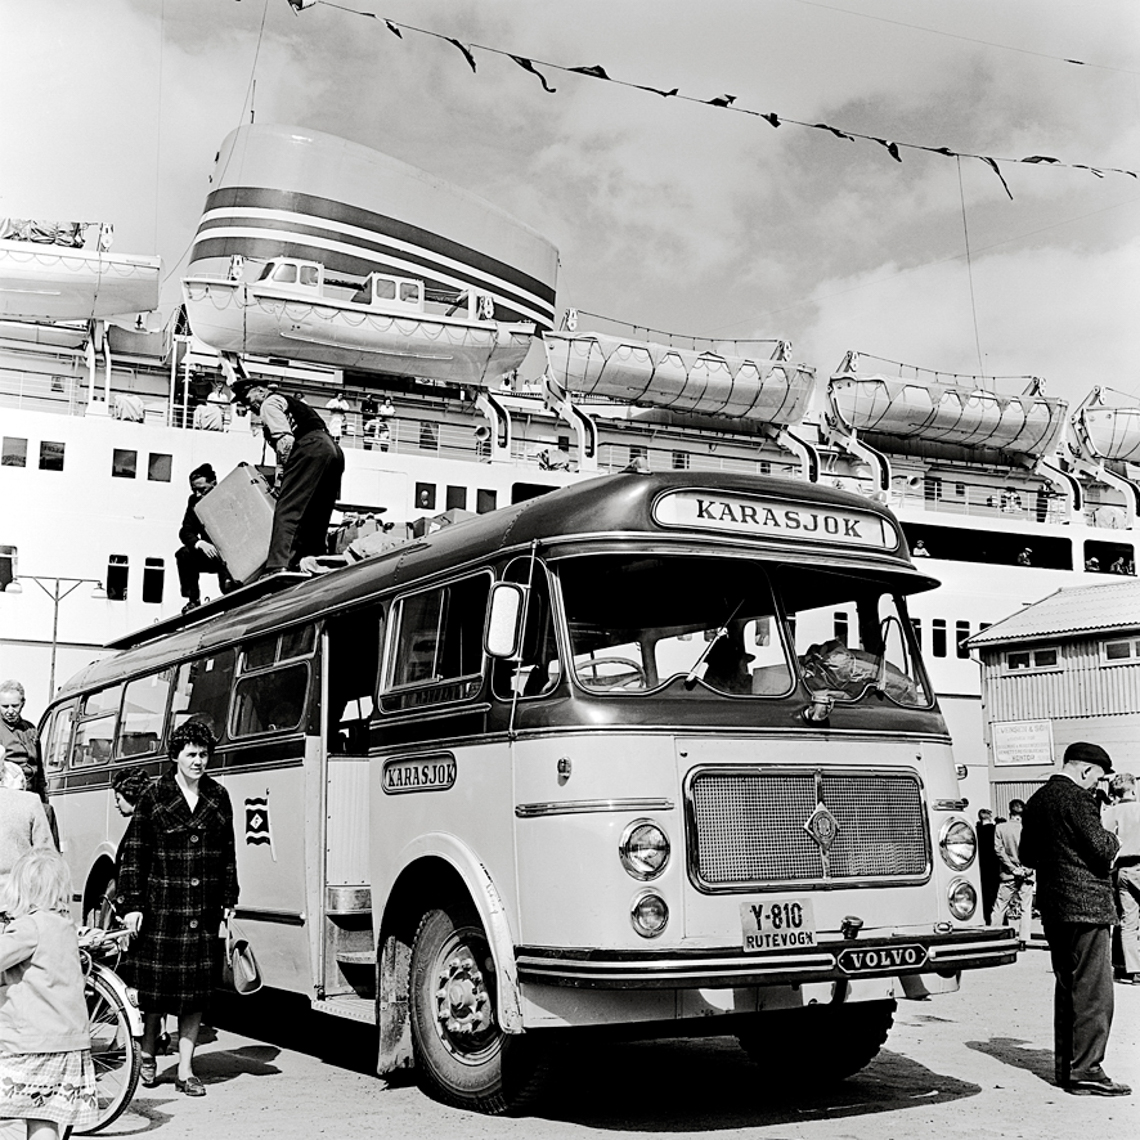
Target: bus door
x=352, y=656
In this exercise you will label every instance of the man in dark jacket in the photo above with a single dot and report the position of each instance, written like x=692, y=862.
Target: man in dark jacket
x=1063, y=838
x=197, y=554
x=311, y=465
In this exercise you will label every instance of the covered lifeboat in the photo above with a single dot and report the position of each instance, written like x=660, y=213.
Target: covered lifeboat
x=948, y=409
x=599, y=366
x=47, y=273
x=380, y=324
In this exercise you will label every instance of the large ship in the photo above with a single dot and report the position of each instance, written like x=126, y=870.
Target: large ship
x=339, y=274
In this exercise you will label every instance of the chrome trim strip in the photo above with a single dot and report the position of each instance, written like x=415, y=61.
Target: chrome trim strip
x=950, y=805
x=582, y=807
x=268, y=914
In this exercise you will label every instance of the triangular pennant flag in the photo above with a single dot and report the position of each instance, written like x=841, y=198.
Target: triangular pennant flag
x=393, y=29
x=1078, y=62
x=994, y=167
x=721, y=101
x=772, y=118
x=1040, y=158
x=834, y=130
x=656, y=90
x=892, y=148
x=597, y=71
x=527, y=65
x=942, y=150
x=463, y=48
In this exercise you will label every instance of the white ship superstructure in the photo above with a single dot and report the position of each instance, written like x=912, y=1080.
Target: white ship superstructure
x=102, y=424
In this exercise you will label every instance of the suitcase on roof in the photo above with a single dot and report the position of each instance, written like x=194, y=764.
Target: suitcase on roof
x=238, y=517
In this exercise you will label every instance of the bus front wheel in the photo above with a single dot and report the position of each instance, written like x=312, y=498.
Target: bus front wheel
x=818, y=1043
x=462, y=1055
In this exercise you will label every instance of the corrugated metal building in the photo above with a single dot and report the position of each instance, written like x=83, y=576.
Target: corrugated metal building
x=1065, y=668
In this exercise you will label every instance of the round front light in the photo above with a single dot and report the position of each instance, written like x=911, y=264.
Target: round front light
x=957, y=843
x=644, y=849
x=963, y=899
x=649, y=915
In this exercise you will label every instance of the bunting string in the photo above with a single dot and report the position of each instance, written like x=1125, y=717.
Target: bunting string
x=724, y=102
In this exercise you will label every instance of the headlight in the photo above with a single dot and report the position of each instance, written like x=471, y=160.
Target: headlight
x=649, y=915
x=963, y=899
x=644, y=849
x=957, y=843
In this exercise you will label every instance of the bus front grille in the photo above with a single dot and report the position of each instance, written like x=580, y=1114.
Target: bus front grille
x=747, y=828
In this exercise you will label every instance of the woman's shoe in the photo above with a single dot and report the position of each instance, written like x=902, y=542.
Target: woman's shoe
x=148, y=1072
x=191, y=1086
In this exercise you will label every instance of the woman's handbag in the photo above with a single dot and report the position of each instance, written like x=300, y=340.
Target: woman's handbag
x=239, y=970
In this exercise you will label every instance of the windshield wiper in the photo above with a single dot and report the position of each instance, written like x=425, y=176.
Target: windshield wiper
x=690, y=681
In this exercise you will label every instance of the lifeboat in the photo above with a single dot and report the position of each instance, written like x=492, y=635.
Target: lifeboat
x=944, y=410
x=1108, y=432
x=595, y=365
x=381, y=324
x=46, y=274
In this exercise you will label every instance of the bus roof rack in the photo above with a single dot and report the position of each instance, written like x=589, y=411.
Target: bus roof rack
x=259, y=588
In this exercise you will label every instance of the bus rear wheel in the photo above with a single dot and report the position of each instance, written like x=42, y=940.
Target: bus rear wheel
x=818, y=1043
x=462, y=1055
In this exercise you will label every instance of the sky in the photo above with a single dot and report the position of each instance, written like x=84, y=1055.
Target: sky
x=667, y=214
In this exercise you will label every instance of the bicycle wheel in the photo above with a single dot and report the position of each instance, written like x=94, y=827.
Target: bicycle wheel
x=114, y=1051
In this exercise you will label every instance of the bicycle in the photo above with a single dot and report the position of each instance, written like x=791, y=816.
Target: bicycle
x=116, y=1024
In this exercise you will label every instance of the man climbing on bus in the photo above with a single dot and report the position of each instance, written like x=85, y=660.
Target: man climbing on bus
x=197, y=554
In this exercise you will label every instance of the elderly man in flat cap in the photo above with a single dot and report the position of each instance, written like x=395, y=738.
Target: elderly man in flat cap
x=1062, y=836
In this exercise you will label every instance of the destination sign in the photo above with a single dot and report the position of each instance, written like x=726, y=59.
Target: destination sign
x=435, y=773
x=772, y=518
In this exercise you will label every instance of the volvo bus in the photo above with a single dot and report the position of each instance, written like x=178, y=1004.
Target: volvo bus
x=654, y=754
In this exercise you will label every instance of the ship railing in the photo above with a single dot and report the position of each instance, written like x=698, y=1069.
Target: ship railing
x=954, y=497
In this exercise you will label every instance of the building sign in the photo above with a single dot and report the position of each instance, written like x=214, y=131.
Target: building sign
x=1021, y=743
x=774, y=518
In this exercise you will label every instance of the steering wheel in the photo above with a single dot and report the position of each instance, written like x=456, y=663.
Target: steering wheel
x=593, y=663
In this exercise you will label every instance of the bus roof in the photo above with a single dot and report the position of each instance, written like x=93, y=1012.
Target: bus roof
x=768, y=515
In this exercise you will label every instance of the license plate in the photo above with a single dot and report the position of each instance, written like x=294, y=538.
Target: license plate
x=777, y=924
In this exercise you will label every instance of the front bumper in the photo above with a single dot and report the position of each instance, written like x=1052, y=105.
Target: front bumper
x=840, y=960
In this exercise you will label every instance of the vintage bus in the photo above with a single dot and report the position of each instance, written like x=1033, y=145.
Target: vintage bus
x=653, y=753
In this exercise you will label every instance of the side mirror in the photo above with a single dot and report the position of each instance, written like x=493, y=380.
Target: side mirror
x=504, y=625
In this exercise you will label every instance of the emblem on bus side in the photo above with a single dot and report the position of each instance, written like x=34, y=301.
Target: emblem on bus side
x=822, y=826
x=434, y=773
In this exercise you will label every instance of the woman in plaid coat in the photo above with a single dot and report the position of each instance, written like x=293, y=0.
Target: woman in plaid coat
x=178, y=887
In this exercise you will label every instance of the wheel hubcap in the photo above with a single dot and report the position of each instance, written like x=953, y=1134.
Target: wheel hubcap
x=464, y=1010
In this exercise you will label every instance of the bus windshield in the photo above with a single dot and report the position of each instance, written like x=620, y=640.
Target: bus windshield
x=711, y=625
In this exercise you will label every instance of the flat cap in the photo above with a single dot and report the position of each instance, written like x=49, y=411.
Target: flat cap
x=1081, y=752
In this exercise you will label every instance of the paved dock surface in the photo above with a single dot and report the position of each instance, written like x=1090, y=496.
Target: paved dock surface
x=961, y=1066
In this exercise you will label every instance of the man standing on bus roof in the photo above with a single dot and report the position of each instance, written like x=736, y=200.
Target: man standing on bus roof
x=1063, y=838
x=197, y=554
x=311, y=465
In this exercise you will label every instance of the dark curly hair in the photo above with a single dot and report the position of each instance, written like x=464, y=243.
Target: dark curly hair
x=130, y=785
x=192, y=732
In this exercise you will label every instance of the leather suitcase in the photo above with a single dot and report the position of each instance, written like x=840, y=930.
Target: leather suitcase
x=238, y=516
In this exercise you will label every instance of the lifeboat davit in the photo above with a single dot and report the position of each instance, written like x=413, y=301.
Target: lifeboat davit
x=1108, y=432
x=381, y=324
x=596, y=365
x=945, y=410
x=46, y=274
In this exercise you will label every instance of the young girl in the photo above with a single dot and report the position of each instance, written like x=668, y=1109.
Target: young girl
x=46, y=1075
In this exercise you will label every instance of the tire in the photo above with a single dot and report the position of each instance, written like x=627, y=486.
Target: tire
x=114, y=1052
x=819, y=1044
x=462, y=1056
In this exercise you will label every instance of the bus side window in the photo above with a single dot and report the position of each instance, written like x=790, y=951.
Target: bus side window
x=56, y=738
x=437, y=650
x=273, y=683
x=537, y=669
x=95, y=734
x=202, y=692
x=353, y=664
x=144, y=711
